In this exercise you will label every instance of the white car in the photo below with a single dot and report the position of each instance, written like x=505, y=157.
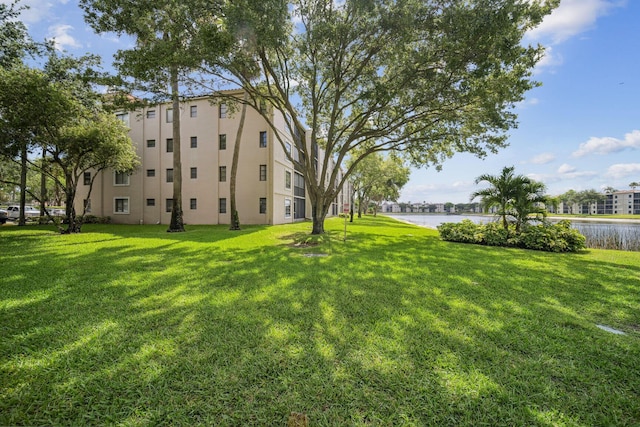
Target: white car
x=13, y=212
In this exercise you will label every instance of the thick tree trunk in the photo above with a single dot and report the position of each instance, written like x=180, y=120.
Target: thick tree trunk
x=235, y=218
x=73, y=224
x=177, y=221
x=318, y=215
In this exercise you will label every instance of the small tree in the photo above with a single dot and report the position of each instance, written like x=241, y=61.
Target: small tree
x=501, y=192
x=633, y=185
x=588, y=197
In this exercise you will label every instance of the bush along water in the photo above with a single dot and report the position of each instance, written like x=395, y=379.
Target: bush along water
x=559, y=237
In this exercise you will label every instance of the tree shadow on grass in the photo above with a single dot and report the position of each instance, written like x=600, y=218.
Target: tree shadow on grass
x=385, y=330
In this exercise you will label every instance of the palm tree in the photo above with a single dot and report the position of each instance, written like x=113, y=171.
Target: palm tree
x=529, y=200
x=502, y=192
x=633, y=185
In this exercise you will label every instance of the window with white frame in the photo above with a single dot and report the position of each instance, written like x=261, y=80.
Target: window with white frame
x=151, y=114
x=120, y=178
x=193, y=111
x=121, y=205
x=287, y=208
x=287, y=180
x=170, y=115
x=263, y=139
x=223, y=110
x=123, y=117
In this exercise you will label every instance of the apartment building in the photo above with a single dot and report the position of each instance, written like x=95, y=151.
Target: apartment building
x=625, y=202
x=269, y=188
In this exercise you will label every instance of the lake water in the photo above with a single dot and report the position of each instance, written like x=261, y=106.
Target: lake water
x=601, y=234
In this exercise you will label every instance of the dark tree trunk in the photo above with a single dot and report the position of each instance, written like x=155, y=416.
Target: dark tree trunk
x=235, y=218
x=23, y=185
x=43, y=188
x=74, y=225
x=177, y=221
x=318, y=215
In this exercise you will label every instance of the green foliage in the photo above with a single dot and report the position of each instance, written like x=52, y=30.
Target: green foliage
x=93, y=219
x=515, y=196
x=548, y=237
x=427, y=79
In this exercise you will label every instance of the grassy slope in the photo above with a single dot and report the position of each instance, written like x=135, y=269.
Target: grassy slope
x=135, y=326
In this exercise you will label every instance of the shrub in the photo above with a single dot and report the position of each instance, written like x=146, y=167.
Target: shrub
x=93, y=219
x=549, y=237
x=465, y=231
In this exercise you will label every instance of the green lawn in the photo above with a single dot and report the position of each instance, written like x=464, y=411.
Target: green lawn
x=131, y=325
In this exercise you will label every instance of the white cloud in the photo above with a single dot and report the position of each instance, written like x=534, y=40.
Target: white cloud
x=566, y=168
x=61, y=37
x=609, y=144
x=542, y=159
x=549, y=59
x=622, y=170
x=36, y=12
x=571, y=18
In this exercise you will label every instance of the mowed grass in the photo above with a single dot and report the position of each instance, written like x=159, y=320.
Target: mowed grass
x=133, y=326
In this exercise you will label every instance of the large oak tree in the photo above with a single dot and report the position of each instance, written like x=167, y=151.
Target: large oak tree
x=427, y=78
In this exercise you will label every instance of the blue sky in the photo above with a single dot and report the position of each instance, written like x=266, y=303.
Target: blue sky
x=579, y=130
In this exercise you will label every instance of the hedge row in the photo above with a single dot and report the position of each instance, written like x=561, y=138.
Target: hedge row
x=559, y=237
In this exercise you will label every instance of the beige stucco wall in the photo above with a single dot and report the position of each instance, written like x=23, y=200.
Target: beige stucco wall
x=206, y=158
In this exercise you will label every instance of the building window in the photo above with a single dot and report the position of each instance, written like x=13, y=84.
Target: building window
x=287, y=180
x=120, y=178
x=193, y=111
x=87, y=205
x=287, y=208
x=288, y=147
x=170, y=115
x=151, y=114
x=223, y=110
x=121, y=205
x=168, y=205
x=263, y=172
x=169, y=145
x=263, y=205
x=194, y=142
x=123, y=117
x=194, y=173
x=222, y=174
x=169, y=175
x=87, y=178
x=151, y=173
x=223, y=141
x=263, y=139
x=151, y=143
x=151, y=202
x=193, y=204
x=222, y=205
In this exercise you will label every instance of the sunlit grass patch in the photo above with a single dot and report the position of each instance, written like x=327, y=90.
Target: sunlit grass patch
x=132, y=325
